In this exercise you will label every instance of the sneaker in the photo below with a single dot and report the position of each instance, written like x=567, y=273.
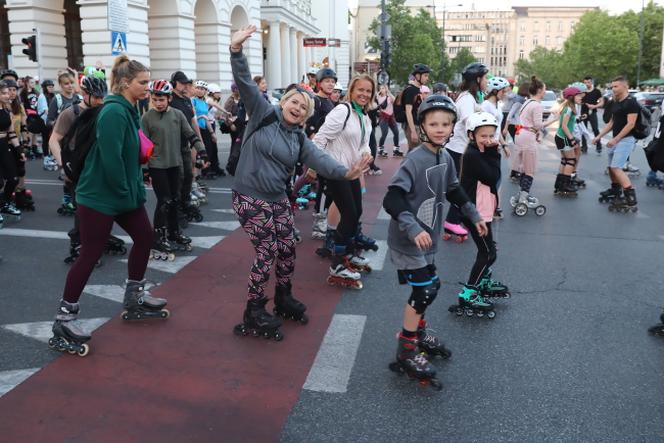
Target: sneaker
x=381, y=152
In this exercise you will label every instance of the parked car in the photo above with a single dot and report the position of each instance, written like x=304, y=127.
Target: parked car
x=651, y=100
x=549, y=103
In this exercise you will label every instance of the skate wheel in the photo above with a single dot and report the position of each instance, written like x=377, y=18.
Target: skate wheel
x=123, y=250
x=358, y=285
x=71, y=351
x=330, y=281
x=278, y=336
x=469, y=313
x=446, y=237
x=165, y=313
x=540, y=210
x=491, y=315
x=239, y=330
x=521, y=209
x=85, y=349
x=479, y=314
x=51, y=343
x=635, y=209
x=125, y=315
x=304, y=319
x=611, y=208
x=198, y=218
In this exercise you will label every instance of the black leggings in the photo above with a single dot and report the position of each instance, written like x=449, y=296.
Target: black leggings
x=166, y=185
x=8, y=170
x=385, y=127
x=187, y=177
x=211, y=149
x=347, y=195
x=454, y=214
x=486, y=253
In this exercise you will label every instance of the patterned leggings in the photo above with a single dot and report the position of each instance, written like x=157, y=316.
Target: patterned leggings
x=269, y=226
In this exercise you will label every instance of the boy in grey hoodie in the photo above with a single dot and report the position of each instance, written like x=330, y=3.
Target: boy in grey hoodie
x=414, y=200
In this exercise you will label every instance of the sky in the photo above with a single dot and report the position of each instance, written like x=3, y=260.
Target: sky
x=613, y=6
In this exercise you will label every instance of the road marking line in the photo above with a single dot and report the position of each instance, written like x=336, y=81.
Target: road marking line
x=643, y=215
x=10, y=379
x=14, y=232
x=197, y=242
x=171, y=267
x=109, y=292
x=46, y=182
x=382, y=215
x=335, y=359
x=377, y=258
x=225, y=225
x=223, y=211
x=41, y=330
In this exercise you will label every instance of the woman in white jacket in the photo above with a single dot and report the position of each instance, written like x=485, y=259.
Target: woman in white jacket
x=345, y=136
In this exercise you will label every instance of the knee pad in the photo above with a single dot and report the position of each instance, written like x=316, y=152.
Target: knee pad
x=424, y=288
x=568, y=161
x=434, y=276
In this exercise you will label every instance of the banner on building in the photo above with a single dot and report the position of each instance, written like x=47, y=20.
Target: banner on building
x=117, y=16
x=314, y=42
x=334, y=43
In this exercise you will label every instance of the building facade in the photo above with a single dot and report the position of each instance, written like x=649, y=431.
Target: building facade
x=166, y=35
x=497, y=38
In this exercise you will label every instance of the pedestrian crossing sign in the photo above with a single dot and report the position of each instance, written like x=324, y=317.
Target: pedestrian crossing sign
x=118, y=42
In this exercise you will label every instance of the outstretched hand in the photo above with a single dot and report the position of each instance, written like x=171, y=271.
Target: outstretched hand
x=359, y=168
x=240, y=36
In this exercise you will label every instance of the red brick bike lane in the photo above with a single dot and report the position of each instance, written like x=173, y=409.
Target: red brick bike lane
x=188, y=378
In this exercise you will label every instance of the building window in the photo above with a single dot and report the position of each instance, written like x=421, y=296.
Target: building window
x=548, y=26
x=522, y=28
x=522, y=40
x=521, y=54
x=535, y=41
x=547, y=41
x=559, y=41
x=560, y=26
x=572, y=24
x=72, y=15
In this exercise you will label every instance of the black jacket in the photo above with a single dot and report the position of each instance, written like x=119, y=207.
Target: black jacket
x=477, y=166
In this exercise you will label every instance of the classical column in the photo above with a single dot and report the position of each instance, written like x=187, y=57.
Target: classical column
x=294, y=75
x=273, y=50
x=301, y=58
x=284, y=58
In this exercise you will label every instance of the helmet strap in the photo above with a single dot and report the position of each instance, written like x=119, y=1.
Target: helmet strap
x=424, y=138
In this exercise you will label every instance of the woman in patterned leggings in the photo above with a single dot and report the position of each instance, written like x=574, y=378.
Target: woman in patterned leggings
x=273, y=144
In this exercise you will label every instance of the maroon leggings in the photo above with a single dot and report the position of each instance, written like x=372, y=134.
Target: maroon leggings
x=95, y=228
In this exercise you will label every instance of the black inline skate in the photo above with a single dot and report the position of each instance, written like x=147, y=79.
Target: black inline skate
x=624, y=203
x=577, y=182
x=161, y=247
x=288, y=307
x=429, y=343
x=325, y=251
x=610, y=194
x=396, y=152
x=23, y=200
x=139, y=303
x=564, y=186
x=67, y=335
x=414, y=364
x=258, y=322
x=471, y=303
x=179, y=242
x=68, y=207
x=191, y=212
x=115, y=246
x=363, y=242
x=8, y=208
x=658, y=329
x=491, y=288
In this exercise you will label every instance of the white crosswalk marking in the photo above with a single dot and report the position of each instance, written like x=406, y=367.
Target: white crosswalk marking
x=223, y=211
x=196, y=242
x=109, y=292
x=225, y=225
x=13, y=232
x=171, y=267
x=10, y=379
x=41, y=330
x=377, y=258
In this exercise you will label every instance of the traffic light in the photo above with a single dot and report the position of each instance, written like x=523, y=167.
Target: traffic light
x=31, y=47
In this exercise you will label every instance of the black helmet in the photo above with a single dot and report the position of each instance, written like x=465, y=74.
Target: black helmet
x=94, y=86
x=420, y=68
x=47, y=83
x=473, y=71
x=434, y=102
x=439, y=87
x=9, y=72
x=324, y=73
x=10, y=83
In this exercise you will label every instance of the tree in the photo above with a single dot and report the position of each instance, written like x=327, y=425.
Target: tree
x=547, y=64
x=653, y=20
x=463, y=58
x=415, y=39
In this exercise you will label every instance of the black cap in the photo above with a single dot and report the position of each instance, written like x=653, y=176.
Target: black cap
x=9, y=83
x=9, y=73
x=180, y=77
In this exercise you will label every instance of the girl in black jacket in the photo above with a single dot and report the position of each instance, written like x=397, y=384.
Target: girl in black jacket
x=480, y=174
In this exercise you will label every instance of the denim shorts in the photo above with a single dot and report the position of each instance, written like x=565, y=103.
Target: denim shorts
x=619, y=154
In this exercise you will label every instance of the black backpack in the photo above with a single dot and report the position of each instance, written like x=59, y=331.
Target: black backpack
x=606, y=116
x=399, y=108
x=643, y=124
x=76, y=143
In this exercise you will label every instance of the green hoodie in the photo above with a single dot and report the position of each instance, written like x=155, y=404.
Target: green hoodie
x=112, y=181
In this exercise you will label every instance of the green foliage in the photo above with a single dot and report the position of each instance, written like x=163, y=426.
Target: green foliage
x=463, y=58
x=415, y=39
x=602, y=46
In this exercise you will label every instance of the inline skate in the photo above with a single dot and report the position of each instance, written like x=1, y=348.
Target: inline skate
x=564, y=186
x=23, y=199
x=297, y=235
x=471, y=303
x=179, y=242
x=325, y=251
x=139, y=303
x=288, y=307
x=343, y=271
x=658, y=329
x=381, y=152
x=364, y=242
x=198, y=193
x=652, y=181
x=161, y=247
x=415, y=365
x=319, y=227
x=610, y=194
x=191, y=212
x=68, y=207
x=8, y=208
x=491, y=288
x=429, y=343
x=458, y=232
x=625, y=202
x=515, y=176
x=577, y=182
x=256, y=321
x=67, y=335
x=523, y=202
x=2, y=221
x=396, y=152
x=115, y=246
x=49, y=163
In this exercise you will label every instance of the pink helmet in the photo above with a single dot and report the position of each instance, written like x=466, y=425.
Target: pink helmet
x=571, y=91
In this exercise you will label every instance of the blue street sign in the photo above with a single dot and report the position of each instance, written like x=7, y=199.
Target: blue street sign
x=118, y=42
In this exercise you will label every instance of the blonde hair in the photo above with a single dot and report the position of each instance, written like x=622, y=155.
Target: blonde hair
x=351, y=86
x=126, y=69
x=307, y=98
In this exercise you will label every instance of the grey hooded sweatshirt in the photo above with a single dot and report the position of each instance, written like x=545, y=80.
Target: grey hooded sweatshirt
x=269, y=155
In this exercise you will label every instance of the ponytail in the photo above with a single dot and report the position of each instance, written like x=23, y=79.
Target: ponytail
x=124, y=69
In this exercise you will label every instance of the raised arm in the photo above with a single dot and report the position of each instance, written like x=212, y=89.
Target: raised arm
x=255, y=104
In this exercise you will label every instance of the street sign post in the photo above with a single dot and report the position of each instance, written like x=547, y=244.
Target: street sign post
x=334, y=43
x=118, y=42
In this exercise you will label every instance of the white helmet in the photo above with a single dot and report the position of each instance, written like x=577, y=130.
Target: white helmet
x=213, y=88
x=338, y=87
x=201, y=84
x=312, y=71
x=497, y=84
x=479, y=119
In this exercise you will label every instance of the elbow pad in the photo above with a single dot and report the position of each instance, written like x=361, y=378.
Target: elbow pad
x=395, y=202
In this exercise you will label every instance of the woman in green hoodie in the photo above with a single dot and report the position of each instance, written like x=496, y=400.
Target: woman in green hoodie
x=110, y=189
